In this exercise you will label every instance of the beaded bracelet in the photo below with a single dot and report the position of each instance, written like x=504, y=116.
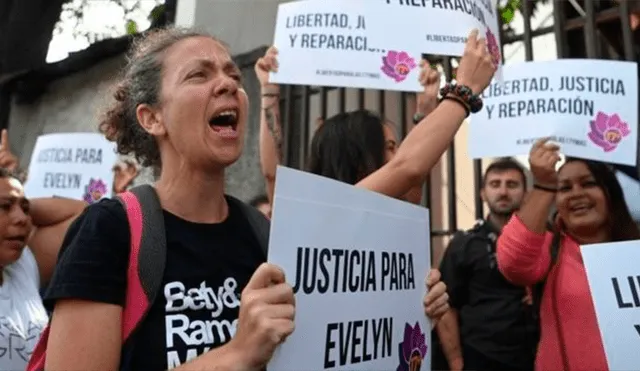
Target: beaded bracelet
x=459, y=100
x=473, y=101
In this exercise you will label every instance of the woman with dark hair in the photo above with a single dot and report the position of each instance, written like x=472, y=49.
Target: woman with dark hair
x=590, y=209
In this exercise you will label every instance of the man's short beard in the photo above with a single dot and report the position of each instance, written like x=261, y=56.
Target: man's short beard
x=503, y=214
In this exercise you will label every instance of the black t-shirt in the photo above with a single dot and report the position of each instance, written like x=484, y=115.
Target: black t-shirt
x=197, y=308
x=494, y=320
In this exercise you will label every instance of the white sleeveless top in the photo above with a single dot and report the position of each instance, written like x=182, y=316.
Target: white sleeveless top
x=22, y=315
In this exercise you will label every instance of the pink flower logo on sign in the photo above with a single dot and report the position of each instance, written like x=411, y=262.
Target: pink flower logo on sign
x=608, y=131
x=494, y=48
x=94, y=191
x=397, y=65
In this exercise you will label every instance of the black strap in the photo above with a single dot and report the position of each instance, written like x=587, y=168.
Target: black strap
x=153, y=249
x=259, y=223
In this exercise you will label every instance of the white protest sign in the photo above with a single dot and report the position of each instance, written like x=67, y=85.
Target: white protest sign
x=374, y=44
x=590, y=107
x=357, y=261
x=71, y=165
x=614, y=279
x=441, y=27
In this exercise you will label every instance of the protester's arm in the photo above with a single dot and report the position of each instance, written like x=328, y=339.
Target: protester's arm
x=522, y=253
x=454, y=270
x=270, y=140
x=87, y=335
x=426, y=102
x=418, y=153
x=51, y=219
x=449, y=335
x=523, y=247
x=270, y=129
x=422, y=148
x=88, y=290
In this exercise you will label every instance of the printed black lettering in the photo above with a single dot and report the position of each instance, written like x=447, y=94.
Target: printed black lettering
x=519, y=86
x=88, y=156
x=633, y=284
x=353, y=270
x=398, y=269
x=538, y=106
x=62, y=180
x=467, y=7
x=333, y=42
x=600, y=85
x=59, y=155
x=353, y=342
x=415, y=3
x=318, y=20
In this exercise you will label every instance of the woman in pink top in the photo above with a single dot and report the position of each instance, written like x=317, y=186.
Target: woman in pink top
x=591, y=209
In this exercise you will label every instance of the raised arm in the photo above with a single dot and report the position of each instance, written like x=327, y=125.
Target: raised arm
x=422, y=148
x=51, y=219
x=426, y=102
x=270, y=127
x=523, y=247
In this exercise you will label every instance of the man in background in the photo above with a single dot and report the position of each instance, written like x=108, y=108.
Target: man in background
x=491, y=325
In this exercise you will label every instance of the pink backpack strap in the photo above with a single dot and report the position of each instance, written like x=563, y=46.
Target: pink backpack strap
x=147, y=255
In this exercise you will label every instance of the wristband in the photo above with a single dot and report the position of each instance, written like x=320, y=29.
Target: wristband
x=545, y=189
x=465, y=94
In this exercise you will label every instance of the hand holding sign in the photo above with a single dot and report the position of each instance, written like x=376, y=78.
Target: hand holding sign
x=476, y=66
x=267, y=64
x=543, y=159
x=436, y=302
x=267, y=310
x=7, y=159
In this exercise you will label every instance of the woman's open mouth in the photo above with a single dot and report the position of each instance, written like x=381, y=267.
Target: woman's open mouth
x=225, y=123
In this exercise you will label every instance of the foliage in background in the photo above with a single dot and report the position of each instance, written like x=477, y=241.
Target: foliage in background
x=73, y=19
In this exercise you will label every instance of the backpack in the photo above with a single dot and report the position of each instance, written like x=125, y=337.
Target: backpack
x=147, y=260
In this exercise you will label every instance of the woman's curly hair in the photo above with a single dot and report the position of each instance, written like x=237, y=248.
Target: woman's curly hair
x=140, y=84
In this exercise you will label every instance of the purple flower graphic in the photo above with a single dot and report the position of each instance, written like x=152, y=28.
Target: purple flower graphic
x=413, y=349
x=397, y=65
x=607, y=131
x=494, y=48
x=94, y=190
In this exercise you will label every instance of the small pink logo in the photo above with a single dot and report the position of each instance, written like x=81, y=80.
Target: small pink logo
x=608, y=131
x=94, y=191
x=397, y=65
x=494, y=48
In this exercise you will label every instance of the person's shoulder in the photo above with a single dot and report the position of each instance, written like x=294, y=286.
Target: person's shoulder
x=105, y=211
